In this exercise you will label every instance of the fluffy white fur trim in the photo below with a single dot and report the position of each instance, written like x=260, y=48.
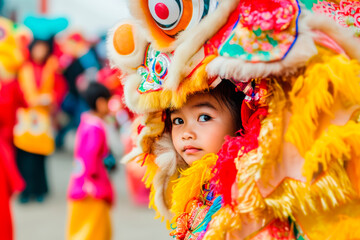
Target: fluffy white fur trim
x=131, y=155
x=138, y=149
x=343, y=36
x=127, y=63
x=160, y=182
x=168, y=161
x=240, y=70
x=131, y=95
x=191, y=41
x=167, y=158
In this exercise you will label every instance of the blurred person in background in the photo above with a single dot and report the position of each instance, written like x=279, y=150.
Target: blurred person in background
x=111, y=78
x=11, y=98
x=43, y=88
x=90, y=186
x=84, y=61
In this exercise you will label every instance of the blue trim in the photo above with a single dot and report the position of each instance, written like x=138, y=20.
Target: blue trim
x=217, y=204
x=297, y=31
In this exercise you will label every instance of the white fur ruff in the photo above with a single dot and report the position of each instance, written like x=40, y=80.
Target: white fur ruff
x=168, y=160
x=131, y=94
x=136, y=151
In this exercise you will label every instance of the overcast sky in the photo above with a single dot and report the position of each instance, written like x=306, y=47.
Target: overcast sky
x=93, y=17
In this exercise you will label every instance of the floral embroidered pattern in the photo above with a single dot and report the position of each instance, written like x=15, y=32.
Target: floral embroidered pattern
x=269, y=15
x=265, y=32
x=347, y=13
x=191, y=224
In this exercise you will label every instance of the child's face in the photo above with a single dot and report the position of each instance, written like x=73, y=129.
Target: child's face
x=102, y=107
x=200, y=126
x=39, y=51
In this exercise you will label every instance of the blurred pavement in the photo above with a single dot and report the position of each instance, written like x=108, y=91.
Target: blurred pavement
x=47, y=220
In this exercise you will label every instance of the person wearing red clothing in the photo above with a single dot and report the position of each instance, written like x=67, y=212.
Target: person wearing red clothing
x=10, y=179
x=11, y=98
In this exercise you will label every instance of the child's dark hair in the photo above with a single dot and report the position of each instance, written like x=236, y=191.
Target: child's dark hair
x=227, y=95
x=49, y=42
x=95, y=91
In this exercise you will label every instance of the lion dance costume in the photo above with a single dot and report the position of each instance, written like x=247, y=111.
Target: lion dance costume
x=294, y=171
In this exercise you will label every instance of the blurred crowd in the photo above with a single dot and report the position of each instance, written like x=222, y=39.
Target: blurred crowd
x=45, y=76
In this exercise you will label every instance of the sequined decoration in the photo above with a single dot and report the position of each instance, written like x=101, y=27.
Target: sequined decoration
x=255, y=92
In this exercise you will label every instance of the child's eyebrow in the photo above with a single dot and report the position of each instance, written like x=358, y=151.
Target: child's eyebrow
x=174, y=111
x=204, y=104
x=199, y=105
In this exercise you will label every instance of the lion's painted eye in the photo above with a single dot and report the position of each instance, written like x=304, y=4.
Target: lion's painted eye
x=161, y=65
x=174, y=16
x=166, y=13
x=165, y=19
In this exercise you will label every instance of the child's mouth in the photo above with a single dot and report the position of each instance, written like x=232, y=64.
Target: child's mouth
x=190, y=150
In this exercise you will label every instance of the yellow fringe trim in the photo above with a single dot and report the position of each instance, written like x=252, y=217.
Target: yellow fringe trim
x=189, y=185
x=151, y=168
x=271, y=133
x=342, y=223
x=293, y=196
x=331, y=189
x=339, y=142
x=196, y=83
x=249, y=200
x=326, y=78
x=223, y=222
x=154, y=100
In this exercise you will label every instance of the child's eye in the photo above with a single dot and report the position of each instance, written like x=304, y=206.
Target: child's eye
x=204, y=118
x=177, y=121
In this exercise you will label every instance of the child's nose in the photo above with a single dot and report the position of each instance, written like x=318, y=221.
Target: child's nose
x=188, y=134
